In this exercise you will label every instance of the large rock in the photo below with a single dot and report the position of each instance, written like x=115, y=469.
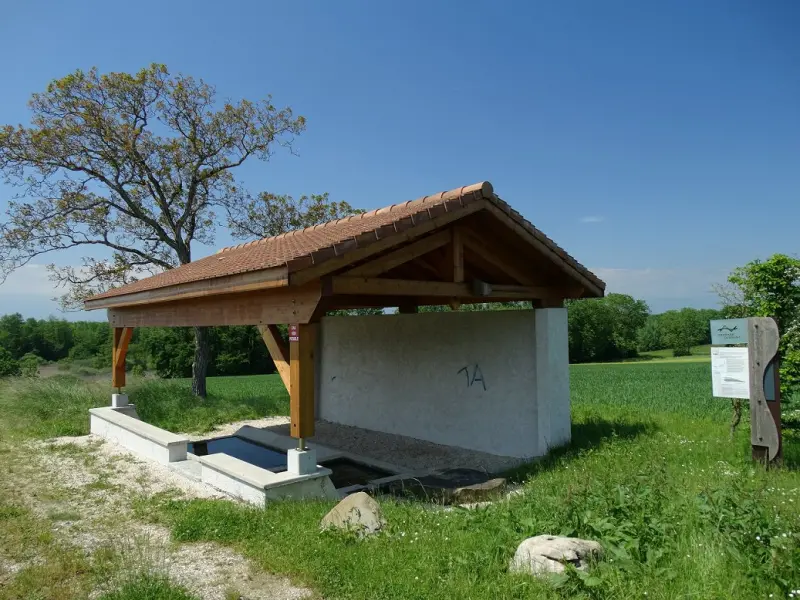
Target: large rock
x=358, y=512
x=479, y=492
x=549, y=553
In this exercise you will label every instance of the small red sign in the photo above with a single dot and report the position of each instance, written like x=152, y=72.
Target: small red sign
x=294, y=333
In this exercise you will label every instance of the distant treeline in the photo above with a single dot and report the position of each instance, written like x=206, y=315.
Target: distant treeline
x=605, y=329
x=619, y=326
x=236, y=350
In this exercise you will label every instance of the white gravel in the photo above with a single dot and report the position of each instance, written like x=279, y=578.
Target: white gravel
x=99, y=480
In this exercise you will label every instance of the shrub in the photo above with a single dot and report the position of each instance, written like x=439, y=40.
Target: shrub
x=29, y=365
x=9, y=367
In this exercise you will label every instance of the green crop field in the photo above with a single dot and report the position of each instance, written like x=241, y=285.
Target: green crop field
x=652, y=473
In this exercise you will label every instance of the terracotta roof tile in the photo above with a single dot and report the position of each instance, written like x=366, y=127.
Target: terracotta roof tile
x=302, y=248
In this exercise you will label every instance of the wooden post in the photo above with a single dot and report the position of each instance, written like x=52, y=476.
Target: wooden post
x=278, y=351
x=122, y=336
x=302, y=384
x=407, y=308
x=455, y=260
x=765, y=389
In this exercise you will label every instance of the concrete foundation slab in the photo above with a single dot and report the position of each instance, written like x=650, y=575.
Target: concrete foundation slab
x=257, y=486
x=139, y=437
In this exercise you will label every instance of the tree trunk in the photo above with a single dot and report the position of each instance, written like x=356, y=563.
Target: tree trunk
x=202, y=356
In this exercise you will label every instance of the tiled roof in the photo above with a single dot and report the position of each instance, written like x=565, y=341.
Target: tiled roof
x=313, y=245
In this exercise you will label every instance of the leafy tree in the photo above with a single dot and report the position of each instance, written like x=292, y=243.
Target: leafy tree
x=90, y=339
x=135, y=164
x=682, y=329
x=591, y=331
x=603, y=329
x=770, y=288
x=628, y=316
x=269, y=215
x=9, y=366
x=13, y=335
x=650, y=336
x=169, y=350
x=54, y=339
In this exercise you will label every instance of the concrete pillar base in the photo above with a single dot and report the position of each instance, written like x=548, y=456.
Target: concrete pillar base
x=119, y=400
x=301, y=462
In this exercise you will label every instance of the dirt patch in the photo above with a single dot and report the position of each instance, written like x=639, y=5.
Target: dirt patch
x=87, y=488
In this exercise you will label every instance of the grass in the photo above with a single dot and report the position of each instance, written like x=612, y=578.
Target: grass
x=35, y=564
x=652, y=473
x=58, y=406
x=678, y=505
x=149, y=586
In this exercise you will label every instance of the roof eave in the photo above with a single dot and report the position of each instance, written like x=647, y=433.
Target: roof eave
x=275, y=277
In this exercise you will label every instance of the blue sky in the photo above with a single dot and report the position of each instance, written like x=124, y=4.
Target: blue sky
x=658, y=142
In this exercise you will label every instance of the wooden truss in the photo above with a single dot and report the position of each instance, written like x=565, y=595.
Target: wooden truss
x=449, y=261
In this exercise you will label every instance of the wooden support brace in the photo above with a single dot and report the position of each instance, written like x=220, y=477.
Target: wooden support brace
x=401, y=256
x=302, y=385
x=456, y=255
x=122, y=337
x=278, y=351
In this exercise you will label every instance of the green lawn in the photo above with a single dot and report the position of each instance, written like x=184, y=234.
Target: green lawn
x=58, y=406
x=652, y=473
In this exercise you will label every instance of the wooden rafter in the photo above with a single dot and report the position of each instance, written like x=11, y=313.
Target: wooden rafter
x=487, y=255
x=278, y=351
x=401, y=256
x=122, y=337
x=406, y=287
x=339, y=262
x=544, y=249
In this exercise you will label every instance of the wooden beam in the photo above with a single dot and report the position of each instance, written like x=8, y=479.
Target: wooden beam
x=374, y=286
x=278, y=351
x=491, y=257
x=271, y=307
x=351, y=302
x=456, y=255
x=243, y=282
x=544, y=249
x=309, y=273
x=401, y=256
x=302, y=386
x=122, y=337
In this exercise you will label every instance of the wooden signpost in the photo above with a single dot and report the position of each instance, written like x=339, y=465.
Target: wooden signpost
x=752, y=373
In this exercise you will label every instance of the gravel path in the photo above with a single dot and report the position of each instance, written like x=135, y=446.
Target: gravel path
x=99, y=481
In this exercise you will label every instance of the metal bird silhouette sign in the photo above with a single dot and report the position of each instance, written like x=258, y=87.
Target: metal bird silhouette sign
x=728, y=331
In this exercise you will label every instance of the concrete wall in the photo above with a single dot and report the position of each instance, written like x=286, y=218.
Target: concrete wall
x=496, y=382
